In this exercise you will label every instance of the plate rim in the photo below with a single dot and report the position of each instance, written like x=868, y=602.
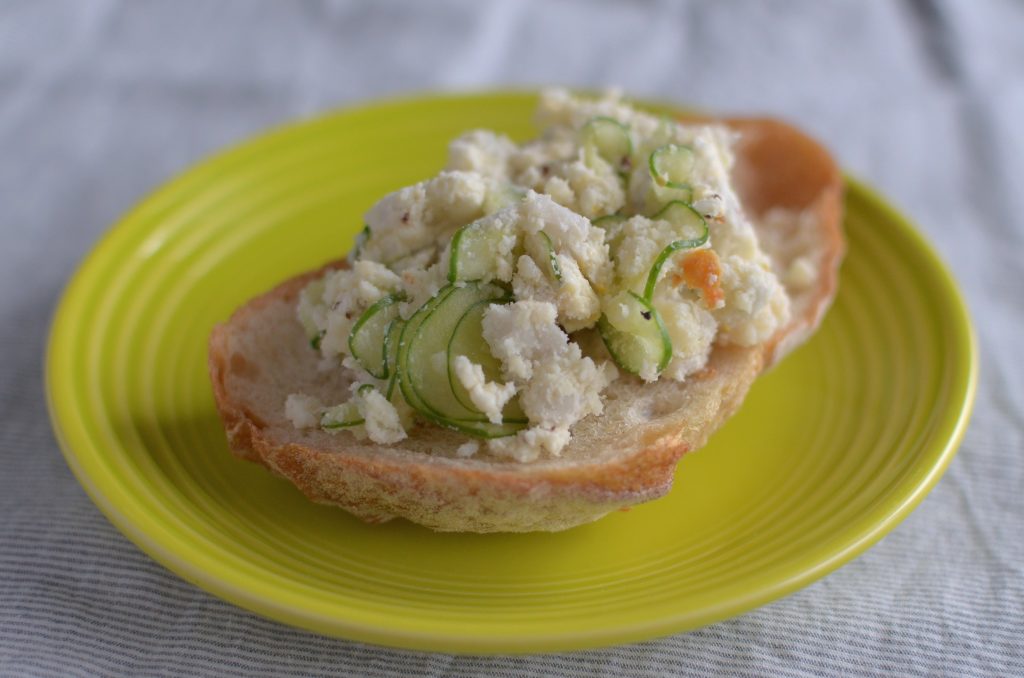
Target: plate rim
x=307, y=619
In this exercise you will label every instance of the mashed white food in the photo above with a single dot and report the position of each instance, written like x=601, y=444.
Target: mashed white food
x=577, y=236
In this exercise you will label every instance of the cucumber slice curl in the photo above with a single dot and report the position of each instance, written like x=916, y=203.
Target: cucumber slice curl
x=476, y=250
x=692, y=230
x=368, y=338
x=635, y=335
x=423, y=379
x=608, y=139
x=671, y=165
x=467, y=340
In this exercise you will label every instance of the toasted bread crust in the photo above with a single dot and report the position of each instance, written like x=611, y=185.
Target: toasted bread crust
x=782, y=168
x=626, y=456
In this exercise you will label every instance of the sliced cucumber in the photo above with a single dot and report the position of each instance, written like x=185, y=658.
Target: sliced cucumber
x=467, y=340
x=345, y=415
x=391, y=339
x=476, y=250
x=609, y=139
x=367, y=339
x=424, y=380
x=635, y=335
x=691, y=231
x=540, y=247
x=663, y=195
x=405, y=340
x=427, y=374
x=549, y=247
x=671, y=165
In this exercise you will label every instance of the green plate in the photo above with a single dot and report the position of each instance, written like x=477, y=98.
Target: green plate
x=831, y=450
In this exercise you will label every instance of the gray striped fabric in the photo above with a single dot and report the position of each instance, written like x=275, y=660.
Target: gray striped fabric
x=101, y=100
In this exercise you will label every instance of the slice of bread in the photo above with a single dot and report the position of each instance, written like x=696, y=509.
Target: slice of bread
x=793, y=190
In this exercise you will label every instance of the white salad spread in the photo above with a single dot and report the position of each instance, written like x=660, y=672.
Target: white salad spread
x=468, y=293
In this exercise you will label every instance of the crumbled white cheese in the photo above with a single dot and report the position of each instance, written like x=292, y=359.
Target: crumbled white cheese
x=418, y=260
x=513, y=447
x=454, y=199
x=343, y=296
x=565, y=388
x=521, y=333
x=571, y=234
x=691, y=328
x=558, y=385
x=506, y=246
x=531, y=283
x=371, y=280
x=559, y=190
x=588, y=188
x=708, y=204
x=303, y=411
x=578, y=305
x=406, y=221
x=557, y=108
x=467, y=449
x=533, y=163
x=382, y=421
x=483, y=152
x=755, y=302
x=421, y=285
x=488, y=396
x=641, y=241
x=555, y=186
x=529, y=444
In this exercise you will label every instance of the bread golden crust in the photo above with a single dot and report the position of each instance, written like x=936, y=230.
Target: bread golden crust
x=781, y=168
x=626, y=456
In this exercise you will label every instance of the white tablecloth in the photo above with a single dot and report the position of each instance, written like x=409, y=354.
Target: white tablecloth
x=102, y=100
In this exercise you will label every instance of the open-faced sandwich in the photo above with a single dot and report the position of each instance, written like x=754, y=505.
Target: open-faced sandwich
x=535, y=336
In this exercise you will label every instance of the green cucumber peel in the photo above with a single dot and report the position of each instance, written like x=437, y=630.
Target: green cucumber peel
x=474, y=250
x=341, y=416
x=610, y=139
x=467, y=340
x=459, y=418
x=556, y=269
x=632, y=350
x=684, y=216
x=670, y=165
x=368, y=337
x=391, y=339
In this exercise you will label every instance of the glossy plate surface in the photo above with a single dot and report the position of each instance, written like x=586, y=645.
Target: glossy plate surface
x=831, y=450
